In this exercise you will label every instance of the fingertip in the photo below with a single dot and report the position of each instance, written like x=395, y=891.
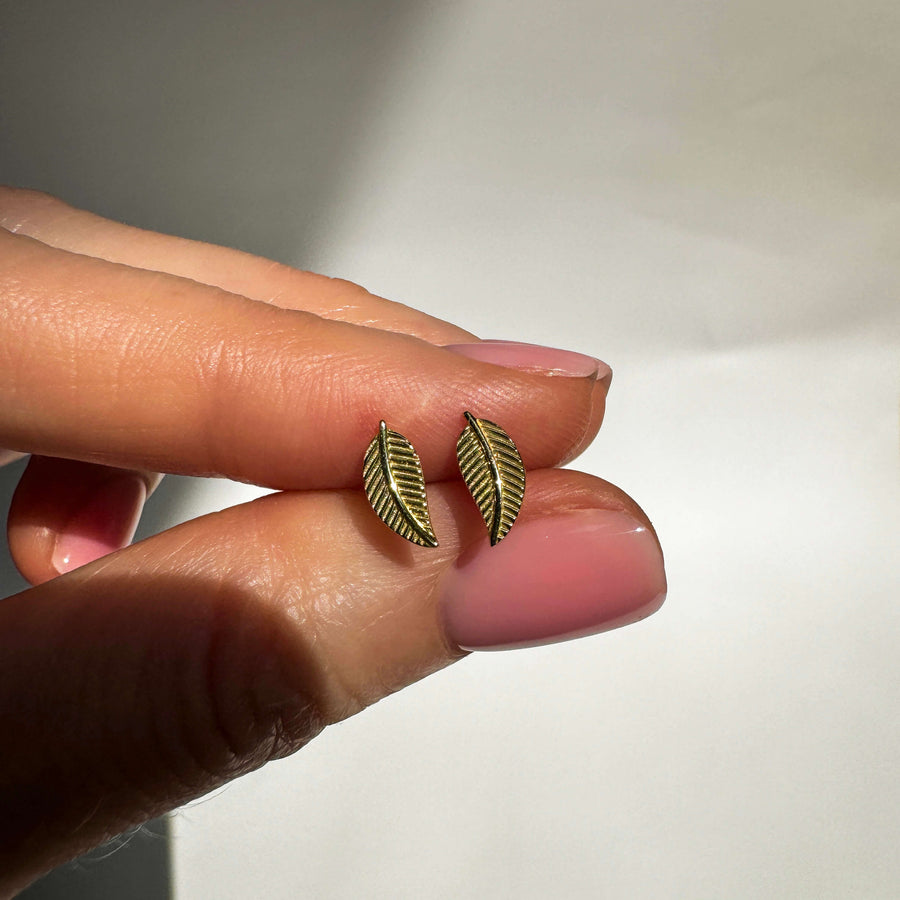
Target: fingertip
x=550, y=362
x=534, y=358
x=594, y=419
x=66, y=514
x=105, y=523
x=557, y=577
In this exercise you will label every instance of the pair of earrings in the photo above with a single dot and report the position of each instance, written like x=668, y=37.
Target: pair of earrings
x=488, y=460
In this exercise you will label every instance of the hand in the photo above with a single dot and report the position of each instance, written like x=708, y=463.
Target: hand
x=142, y=678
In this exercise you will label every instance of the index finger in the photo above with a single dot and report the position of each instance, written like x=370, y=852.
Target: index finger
x=140, y=369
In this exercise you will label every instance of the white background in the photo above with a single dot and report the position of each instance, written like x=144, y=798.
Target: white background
x=706, y=195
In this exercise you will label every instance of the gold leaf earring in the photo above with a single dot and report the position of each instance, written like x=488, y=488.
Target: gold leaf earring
x=493, y=472
x=394, y=484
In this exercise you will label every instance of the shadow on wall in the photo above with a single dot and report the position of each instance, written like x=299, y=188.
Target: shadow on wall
x=11, y=582
x=134, y=866
x=231, y=123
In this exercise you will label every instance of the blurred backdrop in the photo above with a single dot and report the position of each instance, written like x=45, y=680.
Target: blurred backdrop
x=707, y=196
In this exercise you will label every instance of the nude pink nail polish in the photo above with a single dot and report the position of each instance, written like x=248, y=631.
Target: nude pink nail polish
x=534, y=358
x=552, y=579
x=106, y=523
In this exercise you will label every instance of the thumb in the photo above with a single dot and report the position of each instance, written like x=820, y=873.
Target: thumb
x=150, y=677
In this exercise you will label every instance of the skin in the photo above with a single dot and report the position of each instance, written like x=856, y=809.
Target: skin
x=244, y=632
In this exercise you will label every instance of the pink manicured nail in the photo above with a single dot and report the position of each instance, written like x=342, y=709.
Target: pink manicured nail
x=106, y=523
x=552, y=579
x=534, y=358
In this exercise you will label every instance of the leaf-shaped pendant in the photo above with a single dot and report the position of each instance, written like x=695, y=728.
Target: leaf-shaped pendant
x=493, y=472
x=395, y=487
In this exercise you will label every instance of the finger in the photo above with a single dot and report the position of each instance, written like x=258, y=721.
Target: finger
x=137, y=683
x=65, y=514
x=56, y=223
x=143, y=370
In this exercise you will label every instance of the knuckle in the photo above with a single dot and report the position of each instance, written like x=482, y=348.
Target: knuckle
x=243, y=691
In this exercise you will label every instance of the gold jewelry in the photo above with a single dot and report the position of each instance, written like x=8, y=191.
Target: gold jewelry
x=394, y=484
x=493, y=472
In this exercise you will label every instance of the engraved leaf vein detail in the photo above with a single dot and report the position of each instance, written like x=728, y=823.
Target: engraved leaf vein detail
x=494, y=473
x=395, y=486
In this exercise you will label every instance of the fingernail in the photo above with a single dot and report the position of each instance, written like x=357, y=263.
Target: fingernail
x=106, y=523
x=534, y=358
x=552, y=579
